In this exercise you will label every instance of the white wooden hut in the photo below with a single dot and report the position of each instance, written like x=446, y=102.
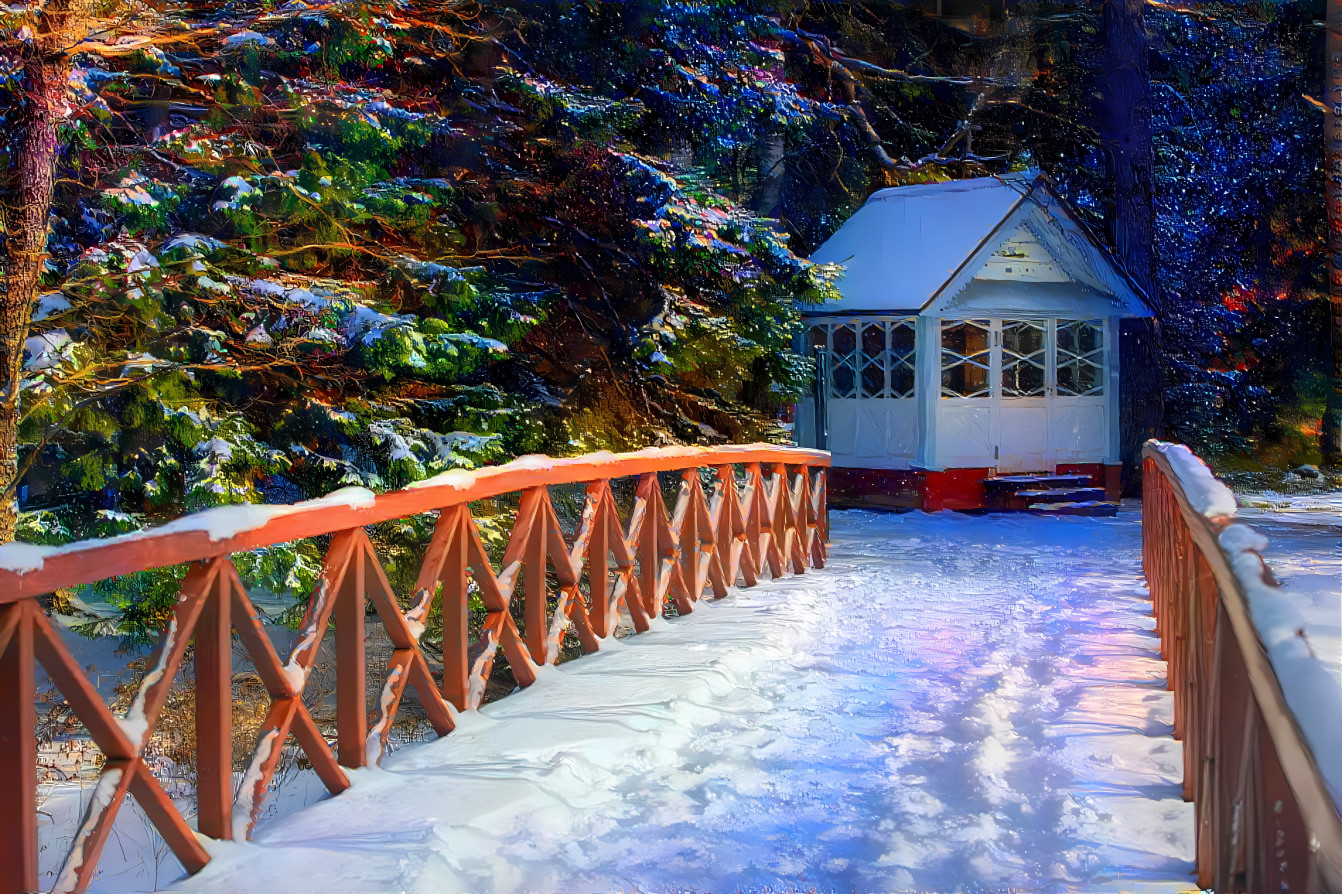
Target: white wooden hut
x=977, y=337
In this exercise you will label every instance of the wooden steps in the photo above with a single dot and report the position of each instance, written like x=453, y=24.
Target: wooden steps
x=1019, y=482
x=1100, y=508
x=1046, y=494
x=1062, y=495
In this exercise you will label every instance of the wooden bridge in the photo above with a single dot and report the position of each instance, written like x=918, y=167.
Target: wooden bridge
x=1266, y=820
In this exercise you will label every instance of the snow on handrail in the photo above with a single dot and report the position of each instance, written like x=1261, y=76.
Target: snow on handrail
x=30, y=569
x=1205, y=493
x=1264, y=769
x=549, y=585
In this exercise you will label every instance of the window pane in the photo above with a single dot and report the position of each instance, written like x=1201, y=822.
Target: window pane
x=1080, y=336
x=1023, y=339
x=901, y=381
x=964, y=338
x=901, y=358
x=1080, y=357
x=844, y=340
x=873, y=379
x=1023, y=359
x=1022, y=380
x=873, y=360
x=873, y=339
x=901, y=339
x=964, y=358
x=1080, y=378
x=965, y=380
x=843, y=381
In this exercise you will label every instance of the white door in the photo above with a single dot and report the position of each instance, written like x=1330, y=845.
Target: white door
x=1022, y=395
x=1079, y=423
x=966, y=406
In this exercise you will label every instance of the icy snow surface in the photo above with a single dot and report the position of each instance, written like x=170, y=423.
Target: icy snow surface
x=956, y=703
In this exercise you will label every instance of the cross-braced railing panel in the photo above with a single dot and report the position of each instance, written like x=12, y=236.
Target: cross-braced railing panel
x=773, y=519
x=1266, y=821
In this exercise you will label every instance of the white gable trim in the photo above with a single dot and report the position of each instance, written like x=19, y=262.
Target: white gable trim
x=1070, y=236
x=1069, y=243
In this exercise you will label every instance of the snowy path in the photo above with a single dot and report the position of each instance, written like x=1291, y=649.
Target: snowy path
x=956, y=703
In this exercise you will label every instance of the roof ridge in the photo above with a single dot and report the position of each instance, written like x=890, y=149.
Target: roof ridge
x=1028, y=178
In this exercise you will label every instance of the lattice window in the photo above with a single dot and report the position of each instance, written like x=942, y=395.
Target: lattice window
x=1024, y=360
x=870, y=358
x=1080, y=357
x=966, y=356
x=873, y=360
x=901, y=357
x=843, y=355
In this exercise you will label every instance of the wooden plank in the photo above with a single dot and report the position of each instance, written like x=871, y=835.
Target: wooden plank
x=81, y=862
x=456, y=614
x=214, y=712
x=529, y=537
x=351, y=662
x=18, y=753
x=163, y=814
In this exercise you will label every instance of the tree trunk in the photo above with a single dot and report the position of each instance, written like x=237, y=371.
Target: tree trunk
x=1127, y=110
x=769, y=188
x=1127, y=143
x=1331, y=437
x=27, y=193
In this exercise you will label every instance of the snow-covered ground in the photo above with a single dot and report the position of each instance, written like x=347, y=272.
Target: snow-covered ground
x=1304, y=551
x=1319, y=508
x=956, y=703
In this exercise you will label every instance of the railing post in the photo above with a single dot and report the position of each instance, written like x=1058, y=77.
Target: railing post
x=683, y=523
x=530, y=513
x=649, y=502
x=351, y=680
x=456, y=613
x=214, y=711
x=18, y=751
x=819, y=546
x=775, y=500
x=598, y=562
x=755, y=513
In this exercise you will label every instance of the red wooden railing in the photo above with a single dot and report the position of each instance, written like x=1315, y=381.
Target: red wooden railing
x=774, y=519
x=1266, y=821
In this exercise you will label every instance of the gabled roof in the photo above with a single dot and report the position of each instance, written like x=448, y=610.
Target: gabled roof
x=915, y=249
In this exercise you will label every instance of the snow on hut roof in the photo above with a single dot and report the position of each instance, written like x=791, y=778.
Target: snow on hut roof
x=906, y=242
x=906, y=245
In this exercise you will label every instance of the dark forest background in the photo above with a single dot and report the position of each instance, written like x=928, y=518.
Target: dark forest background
x=298, y=245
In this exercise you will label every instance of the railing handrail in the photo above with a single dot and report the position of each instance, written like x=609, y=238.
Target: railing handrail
x=1208, y=513
x=29, y=570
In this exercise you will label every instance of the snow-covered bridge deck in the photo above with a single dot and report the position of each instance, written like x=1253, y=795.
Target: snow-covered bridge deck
x=955, y=703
